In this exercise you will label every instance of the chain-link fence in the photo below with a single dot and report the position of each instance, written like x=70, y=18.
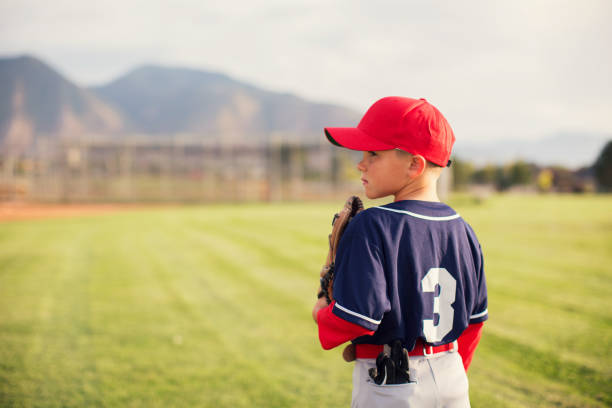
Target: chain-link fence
x=138, y=171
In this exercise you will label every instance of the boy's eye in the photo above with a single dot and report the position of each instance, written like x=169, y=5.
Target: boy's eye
x=372, y=153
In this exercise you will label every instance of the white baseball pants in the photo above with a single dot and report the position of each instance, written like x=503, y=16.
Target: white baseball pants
x=437, y=381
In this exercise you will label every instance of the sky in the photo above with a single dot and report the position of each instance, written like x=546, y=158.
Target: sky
x=525, y=69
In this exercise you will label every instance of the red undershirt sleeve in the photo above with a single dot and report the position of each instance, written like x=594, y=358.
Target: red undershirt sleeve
x=468, y=341
x=334, y=331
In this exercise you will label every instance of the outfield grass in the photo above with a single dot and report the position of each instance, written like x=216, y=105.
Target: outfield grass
x=210, y=306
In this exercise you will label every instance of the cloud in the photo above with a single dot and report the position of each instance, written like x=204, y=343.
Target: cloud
x=496, y=69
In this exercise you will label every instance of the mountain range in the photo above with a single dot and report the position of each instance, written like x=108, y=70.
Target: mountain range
x=156, y=102
x=162, y=100
x=36, y=101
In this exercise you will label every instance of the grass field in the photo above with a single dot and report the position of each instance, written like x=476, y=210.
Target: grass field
x=210, y=306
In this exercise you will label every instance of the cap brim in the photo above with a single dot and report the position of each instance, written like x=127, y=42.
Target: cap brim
x=355, y=139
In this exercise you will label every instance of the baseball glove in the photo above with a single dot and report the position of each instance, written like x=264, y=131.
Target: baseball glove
x=351, y=208
x=391, y=365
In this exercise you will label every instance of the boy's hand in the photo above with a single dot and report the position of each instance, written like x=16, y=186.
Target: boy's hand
x=321, y=304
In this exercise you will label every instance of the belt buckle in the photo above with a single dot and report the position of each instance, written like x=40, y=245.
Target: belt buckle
x=425, y=347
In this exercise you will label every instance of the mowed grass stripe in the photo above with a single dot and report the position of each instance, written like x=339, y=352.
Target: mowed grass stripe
x=216, y=265
x=270, y=263
x=52, y=350
x=576, y=378
x=247, y=270
x=166, y=267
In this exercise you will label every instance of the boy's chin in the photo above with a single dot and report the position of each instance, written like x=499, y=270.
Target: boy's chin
x=373, y=196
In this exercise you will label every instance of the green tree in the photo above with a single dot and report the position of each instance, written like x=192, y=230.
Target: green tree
x=485, y=175
x=545, y=180
x=462, y=173
x=520, y=172
x=502, y=178
x=603, y=168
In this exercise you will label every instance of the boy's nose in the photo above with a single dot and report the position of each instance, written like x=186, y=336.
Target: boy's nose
x=360, y=166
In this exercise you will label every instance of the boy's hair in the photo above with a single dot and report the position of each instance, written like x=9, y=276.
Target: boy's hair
x=430, y=165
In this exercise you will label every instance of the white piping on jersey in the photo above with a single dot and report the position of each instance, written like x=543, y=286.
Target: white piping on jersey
x=475, y=316
x=424, y=217
x=366, y=318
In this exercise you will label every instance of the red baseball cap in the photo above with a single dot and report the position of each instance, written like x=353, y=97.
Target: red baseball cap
x=394, y=122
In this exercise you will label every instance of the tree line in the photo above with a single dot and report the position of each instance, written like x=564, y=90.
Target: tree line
x=529, y=176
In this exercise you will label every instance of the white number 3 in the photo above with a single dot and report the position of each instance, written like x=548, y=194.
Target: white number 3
x=441, y=304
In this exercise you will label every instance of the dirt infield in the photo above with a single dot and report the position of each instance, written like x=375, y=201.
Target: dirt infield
x=26, y=211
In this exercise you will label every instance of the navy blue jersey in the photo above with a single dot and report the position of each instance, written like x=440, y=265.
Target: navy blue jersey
x=410, y=269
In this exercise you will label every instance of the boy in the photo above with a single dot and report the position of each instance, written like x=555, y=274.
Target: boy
x=409, y=271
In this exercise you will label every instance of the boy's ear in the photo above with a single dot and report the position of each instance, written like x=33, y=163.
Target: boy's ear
x=416, y=166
